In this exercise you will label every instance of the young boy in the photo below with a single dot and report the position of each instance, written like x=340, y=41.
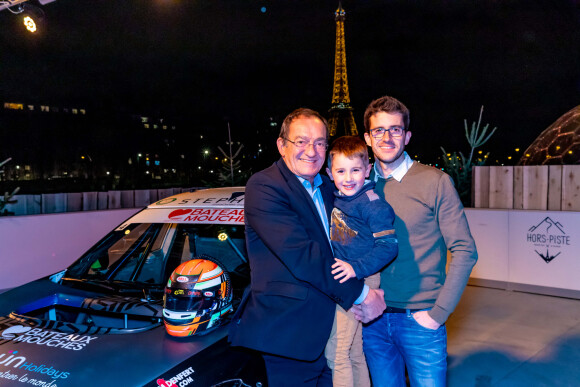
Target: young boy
x=364, y=241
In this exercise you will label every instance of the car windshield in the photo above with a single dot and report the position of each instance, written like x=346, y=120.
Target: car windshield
x=147, y=253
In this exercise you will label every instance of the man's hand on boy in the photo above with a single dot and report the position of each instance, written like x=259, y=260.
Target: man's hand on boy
x=371, y=308
x=343, y=270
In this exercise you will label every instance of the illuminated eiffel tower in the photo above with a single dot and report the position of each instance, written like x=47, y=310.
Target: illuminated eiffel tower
x=341, y=119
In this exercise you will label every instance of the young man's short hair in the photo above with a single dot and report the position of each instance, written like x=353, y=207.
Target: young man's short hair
x=389, y=105
x=351, y=147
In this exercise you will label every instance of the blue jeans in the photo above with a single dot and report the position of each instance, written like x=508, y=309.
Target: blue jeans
x=395, y=340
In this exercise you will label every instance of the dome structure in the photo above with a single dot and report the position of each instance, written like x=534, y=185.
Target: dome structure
x=558, y=144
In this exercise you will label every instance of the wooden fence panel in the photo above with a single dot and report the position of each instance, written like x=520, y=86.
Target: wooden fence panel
x=103, y=200
x=165, y=192
x=531, y=187
x=480, y=188
x=127, y=199
x=555, y=188
x=74, y=201
x=87, y=201
x=571, y=188
x=90, y=201
x=535, y=187
x=114, y=199
x=142, y=198
x=153, y=196
x=501, y=187
x=518, y=188
x=33, y=206
x=53, y=203
x=19, y=207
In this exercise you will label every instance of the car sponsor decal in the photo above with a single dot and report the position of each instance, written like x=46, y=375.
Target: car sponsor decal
x=26, y=334
x=178, y=213
x=216, y=365
x=196, y=198
x=200, y=198
x=165, y=201
x=12, y=332
x=213, y=215
x=122, y=227
x=182, y=379
x=188, y=215
x=182, y=278
x=15, y=366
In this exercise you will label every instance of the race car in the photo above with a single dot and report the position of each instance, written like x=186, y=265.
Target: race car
x=148, y=305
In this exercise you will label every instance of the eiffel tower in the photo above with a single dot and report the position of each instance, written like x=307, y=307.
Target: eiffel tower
x=341, y=118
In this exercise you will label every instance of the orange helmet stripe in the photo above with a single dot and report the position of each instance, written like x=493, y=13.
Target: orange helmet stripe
x=223, y=290
x=196, y=266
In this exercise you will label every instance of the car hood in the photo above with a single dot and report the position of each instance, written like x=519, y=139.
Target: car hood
x=70, y=354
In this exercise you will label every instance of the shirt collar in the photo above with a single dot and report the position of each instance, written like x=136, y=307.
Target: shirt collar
x=306, y=183
x=399, y=172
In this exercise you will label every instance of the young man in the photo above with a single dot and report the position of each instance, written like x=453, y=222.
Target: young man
x=364, y=241
x=287, y=312
x=419, y=293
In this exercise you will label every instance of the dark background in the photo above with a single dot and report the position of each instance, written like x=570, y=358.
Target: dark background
x=206, y=63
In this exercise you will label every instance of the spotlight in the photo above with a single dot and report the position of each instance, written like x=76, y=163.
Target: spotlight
x=32, y=18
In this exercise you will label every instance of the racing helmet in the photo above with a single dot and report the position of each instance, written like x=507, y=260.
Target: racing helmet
x=197, y=297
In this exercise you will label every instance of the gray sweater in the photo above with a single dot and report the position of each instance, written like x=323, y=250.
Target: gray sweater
x=429, y=221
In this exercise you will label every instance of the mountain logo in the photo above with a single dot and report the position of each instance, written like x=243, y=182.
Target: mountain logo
x=547, y=226
x=548, y=235
x=547, y=257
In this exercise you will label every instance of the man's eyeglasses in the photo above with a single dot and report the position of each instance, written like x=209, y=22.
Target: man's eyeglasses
x=394, y=131
x=319, y=145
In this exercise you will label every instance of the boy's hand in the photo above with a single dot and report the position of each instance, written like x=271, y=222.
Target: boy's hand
x=342, y=270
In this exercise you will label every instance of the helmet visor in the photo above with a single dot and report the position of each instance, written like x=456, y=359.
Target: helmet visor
x=193, y=303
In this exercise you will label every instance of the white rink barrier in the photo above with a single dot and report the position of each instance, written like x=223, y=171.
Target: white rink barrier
x=33, y=246
x=536, y=251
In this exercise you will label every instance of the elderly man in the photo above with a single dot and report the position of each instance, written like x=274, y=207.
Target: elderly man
x=288, y=312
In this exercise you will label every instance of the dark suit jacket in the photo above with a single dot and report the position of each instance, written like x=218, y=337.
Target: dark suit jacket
x=290, y=306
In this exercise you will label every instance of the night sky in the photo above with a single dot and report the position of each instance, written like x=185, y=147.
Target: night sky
x=246, y=61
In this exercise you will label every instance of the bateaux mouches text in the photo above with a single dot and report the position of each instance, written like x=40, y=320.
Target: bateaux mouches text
x=208, y=215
